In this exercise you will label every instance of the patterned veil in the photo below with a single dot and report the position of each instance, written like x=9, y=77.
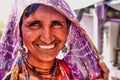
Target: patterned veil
x=81, y=57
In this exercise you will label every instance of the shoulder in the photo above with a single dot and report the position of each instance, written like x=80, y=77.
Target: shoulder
x=64, y=66
x=7, y=77
x=14, y=73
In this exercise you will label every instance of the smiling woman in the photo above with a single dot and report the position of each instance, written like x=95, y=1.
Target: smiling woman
x=47, y=33
x=39, y=30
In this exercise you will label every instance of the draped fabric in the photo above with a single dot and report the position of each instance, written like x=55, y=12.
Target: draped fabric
x=81, y=57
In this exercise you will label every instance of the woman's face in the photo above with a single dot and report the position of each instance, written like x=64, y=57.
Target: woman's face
x=44, y=33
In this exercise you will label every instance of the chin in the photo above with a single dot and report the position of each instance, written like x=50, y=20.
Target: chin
x=47, y=59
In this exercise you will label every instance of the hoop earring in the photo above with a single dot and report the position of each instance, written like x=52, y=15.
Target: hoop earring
x=22, y=51
x=64, y=50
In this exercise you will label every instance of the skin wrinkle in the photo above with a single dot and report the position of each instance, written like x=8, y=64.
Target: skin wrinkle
x=37, y=55
x=38, y=29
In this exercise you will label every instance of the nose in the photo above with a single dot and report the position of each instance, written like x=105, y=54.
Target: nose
x=47, y=36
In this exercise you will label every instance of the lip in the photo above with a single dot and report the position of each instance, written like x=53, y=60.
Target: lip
x=46, y=47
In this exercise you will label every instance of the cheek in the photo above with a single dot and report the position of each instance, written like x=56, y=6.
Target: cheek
x=28, y=35
x=62, y=35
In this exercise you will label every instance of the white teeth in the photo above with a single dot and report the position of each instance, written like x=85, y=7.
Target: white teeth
x=46, y=46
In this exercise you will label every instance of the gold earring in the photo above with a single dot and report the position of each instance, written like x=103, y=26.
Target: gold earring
x=64, y=50
x=22, y=51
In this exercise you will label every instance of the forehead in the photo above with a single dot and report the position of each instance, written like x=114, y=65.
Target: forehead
x=47, y=10
x=43, y=14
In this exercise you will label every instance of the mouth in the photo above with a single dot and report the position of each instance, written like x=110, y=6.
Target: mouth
x=47, y=46
x=51, y=46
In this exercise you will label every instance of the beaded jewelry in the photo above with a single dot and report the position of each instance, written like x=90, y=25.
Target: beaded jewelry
x=33, y=69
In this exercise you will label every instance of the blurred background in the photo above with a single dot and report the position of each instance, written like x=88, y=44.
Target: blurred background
x=100, y=19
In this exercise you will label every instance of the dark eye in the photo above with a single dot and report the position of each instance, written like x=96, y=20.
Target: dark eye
x=35, y=24
x=56, y=24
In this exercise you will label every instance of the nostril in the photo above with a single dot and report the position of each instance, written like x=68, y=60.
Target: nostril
x=47, y=39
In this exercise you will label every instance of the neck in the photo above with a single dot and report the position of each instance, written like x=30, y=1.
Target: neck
x=39, y=63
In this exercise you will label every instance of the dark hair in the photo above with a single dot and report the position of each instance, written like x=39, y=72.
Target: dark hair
x=29, y=10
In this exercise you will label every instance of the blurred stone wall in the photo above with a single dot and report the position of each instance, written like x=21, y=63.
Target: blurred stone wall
x=1, y=27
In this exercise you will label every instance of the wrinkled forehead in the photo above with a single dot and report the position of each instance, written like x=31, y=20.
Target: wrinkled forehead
x=59, y=5
x=41, y=8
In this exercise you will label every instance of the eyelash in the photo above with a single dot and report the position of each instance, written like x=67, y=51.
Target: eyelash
x=54, y=24
x=34, y=24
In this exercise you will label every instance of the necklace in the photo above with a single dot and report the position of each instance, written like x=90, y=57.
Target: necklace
x=47, y=71
x=33, y=69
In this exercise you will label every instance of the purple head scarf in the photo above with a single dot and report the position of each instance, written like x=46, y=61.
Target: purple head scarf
x=81, y=56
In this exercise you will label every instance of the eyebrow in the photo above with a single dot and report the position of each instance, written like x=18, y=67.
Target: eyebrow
x=32, y=21
x=38, y=21
x=58, y=21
